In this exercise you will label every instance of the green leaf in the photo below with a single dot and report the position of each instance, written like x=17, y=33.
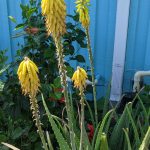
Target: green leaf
x=136, y=134
x=57, y=82
x=58, y=95
x=1, y=85
x=86, y=142
x=60, y=139
x=97, y=145
x=70, y=71
x=17, y=133
x=3, y=138
x=4, y=69
x=108, y=124
x=33, y=136
x=12, y=19
x=70, y=25
x=90, y=111
x=106, y=101
x=49, y=141
x=117, y=133
x=75, y=128
x=141, y=128
x=19, y=26
x=79, y=58
x=95, y=135
x=144, y=110
x=103, y=142
x=127, y=138
x=47, y=53
x=31, y=11
x=146, y=141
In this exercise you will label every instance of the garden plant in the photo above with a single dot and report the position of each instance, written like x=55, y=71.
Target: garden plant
x=69, y=128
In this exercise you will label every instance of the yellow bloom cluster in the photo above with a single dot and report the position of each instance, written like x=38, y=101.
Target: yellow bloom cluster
x=79, y=78
x=82, y=9
x=55, y=15
x=27, y=73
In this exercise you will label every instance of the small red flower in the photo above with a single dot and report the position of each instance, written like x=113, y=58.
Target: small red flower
x=91, y=131
x=62, y=100
x=32, y=30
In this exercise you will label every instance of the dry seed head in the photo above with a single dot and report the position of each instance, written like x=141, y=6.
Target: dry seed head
x=79, y=78
x=55, y=15
x=83, y=10
x=28, y=77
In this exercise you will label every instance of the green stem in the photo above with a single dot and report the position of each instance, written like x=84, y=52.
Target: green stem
x=36, y=116
x=49, y=141
x=82, y=119
x=63, y=76
x=92, y=73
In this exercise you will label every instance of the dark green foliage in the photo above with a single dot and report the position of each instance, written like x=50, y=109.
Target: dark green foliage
x=134, y=121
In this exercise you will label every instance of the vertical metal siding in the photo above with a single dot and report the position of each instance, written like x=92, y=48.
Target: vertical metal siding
x=104, y=41
x=9, y=8
x=138, y=42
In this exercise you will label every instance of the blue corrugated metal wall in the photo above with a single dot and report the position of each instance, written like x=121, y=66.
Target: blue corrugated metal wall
x=104, y=41
x=9, y=8
x=138, y=42
x=103, y=13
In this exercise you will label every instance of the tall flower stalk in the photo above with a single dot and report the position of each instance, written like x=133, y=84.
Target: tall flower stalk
x=27, y=73
x=79, y=78
x=55, y=16
x=82, y=9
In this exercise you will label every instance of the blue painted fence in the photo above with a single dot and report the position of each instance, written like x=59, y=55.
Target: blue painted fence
x=103, y=18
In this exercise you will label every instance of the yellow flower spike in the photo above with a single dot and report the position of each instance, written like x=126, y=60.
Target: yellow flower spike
x=79, y=78
x=30, y=83
x=55, y=16
x=54, y=12
x=27, y=74
x=82, y=9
